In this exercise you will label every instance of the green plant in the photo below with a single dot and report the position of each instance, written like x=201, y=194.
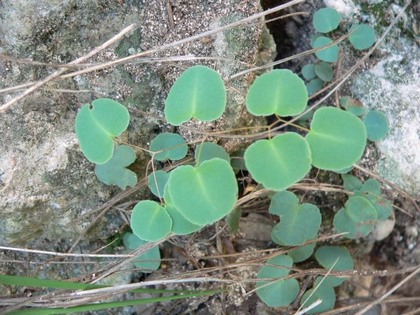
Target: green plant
x=199, y=193
x=326, y=21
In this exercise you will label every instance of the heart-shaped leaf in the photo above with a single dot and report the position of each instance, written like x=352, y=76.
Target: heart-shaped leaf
x=337, y=139
x=335, y=258
x=358, y=217
x=297, y=225
x=283, y=200
x=208, y=150
x=147, y=262
x=172, y=145
x=149, y=221
x=114, y=172
x=278, y=92
x=280, y=162
x=96, y=127
x=198, y=93
x=329, y=54
x=362, y=36
x=203, y=194
x=326, y=20
x=274, y=291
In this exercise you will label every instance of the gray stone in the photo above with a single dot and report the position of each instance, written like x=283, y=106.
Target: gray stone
x=393, y=86
x=48, y=189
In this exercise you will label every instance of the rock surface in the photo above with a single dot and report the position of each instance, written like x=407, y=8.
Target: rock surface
x=46, y=184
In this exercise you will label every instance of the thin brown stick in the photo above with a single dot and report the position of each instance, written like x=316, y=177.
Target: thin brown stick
x=60, y=71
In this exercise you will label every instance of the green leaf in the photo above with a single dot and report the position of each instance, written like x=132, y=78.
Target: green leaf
x=172, y=145
x=233, y=219
x=157, y=182
x=208, y=150
x=326, y=20
x=150, y=222
x=351, y=183
x=308, y=71
x=205, y=193
x=96, y=127
x=180, y=225
x=114, y=172
x=198, y=93
x=321, y=291
x=358, y=217
x=337, y=139
x=302, y=253
x=297, y=225
x=372, y=191
x=376, y=125
x=336, y=258
x=314, y=86
x=327, y=54
x=324, y=71
x=146, y=262
x=278, y=92
x=283, y=200
x=280, y=162
x=352, y=105
x=362, y=36
x=274, y=291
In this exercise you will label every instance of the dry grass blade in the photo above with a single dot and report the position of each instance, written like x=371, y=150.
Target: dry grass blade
x=58, y=72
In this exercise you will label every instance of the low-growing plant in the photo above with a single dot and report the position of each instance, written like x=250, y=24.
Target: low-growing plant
x=199, y=193
x=327, y=21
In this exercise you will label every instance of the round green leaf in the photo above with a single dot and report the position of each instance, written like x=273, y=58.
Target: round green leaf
x=323, y=292
x=297, y=225
x=205, y=193
x=277, y=292
x=172, y=145
x=324, y=71
x=362, y=36
x=326, y=20
x=314, y=86
x=198, y=93
x=337, y=139
x=302, y=253
x=372, y=191
x=336, y=258
x=114, y=172
x=278, y=92
x=327, y=54
x=376, y=125
x=280, y=162
x=358, y=217
x=180, y=225
x=283, y=200
x=146, y=262
x=149, y=221
x=308, y=71
x=156, y=182
x=208, y=150
x=96, y=127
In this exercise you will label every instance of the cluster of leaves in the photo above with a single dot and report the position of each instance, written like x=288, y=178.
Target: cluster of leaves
x=204, y=191
x=277, y=289
x=326, y=21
